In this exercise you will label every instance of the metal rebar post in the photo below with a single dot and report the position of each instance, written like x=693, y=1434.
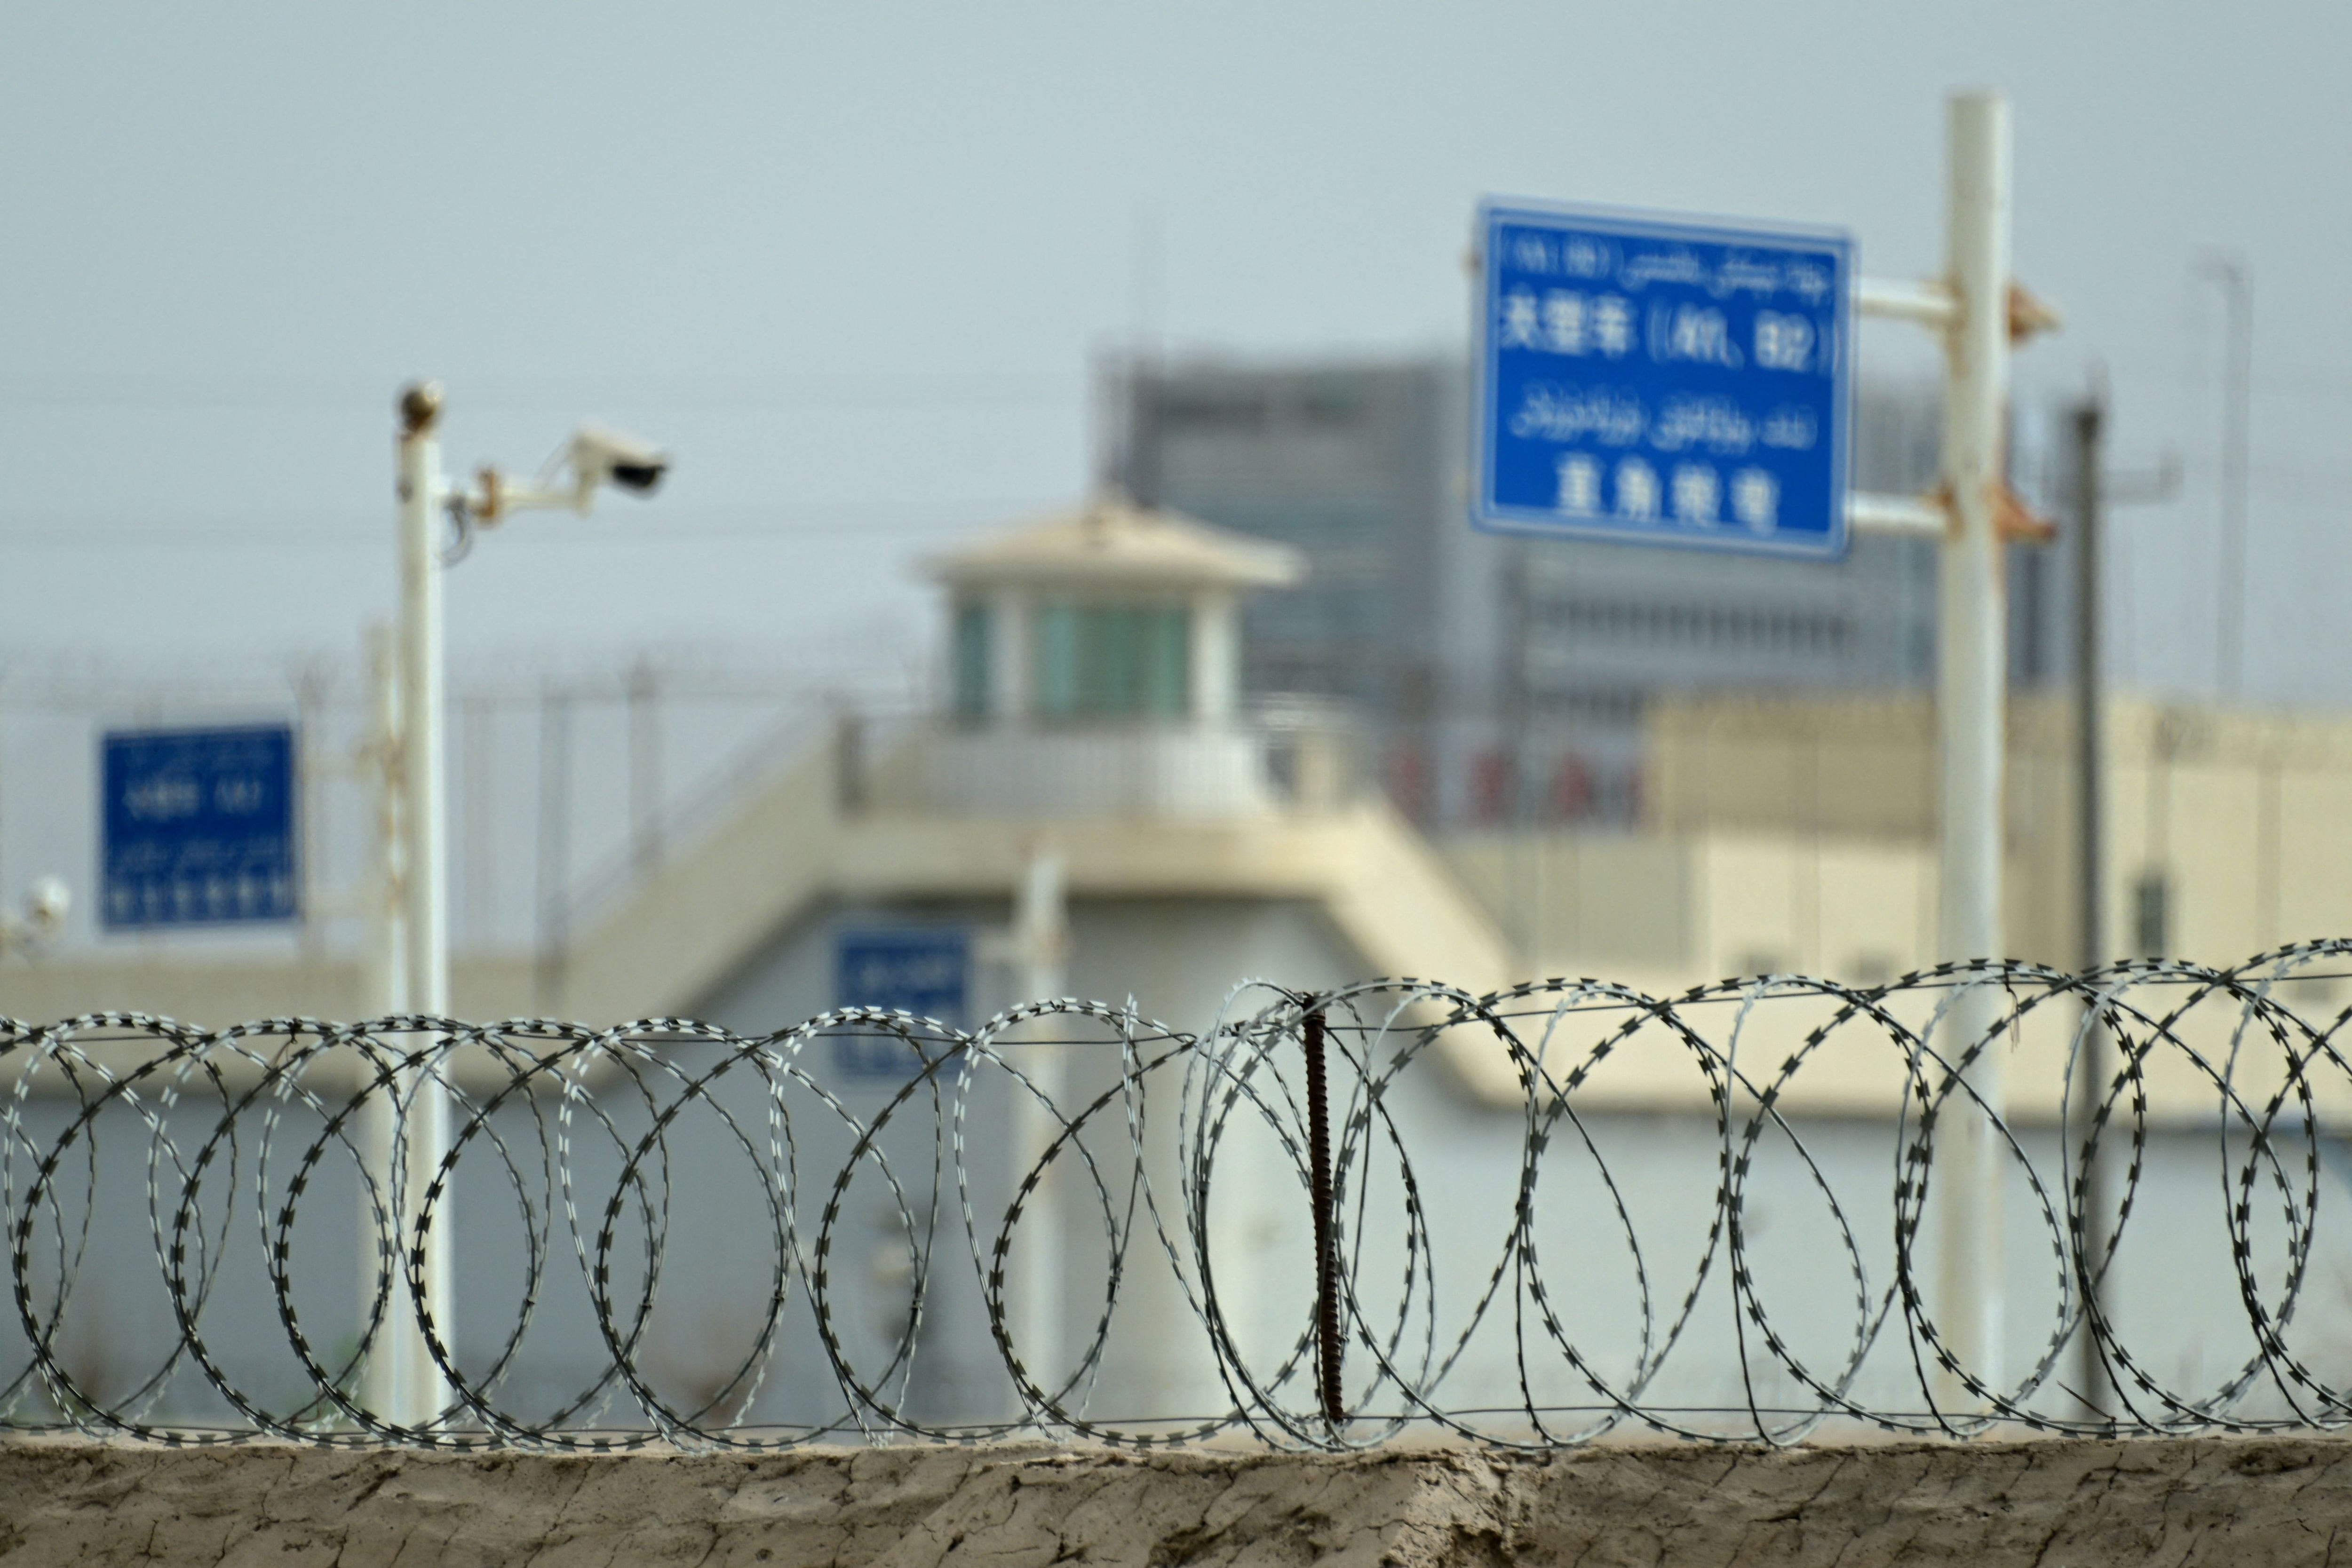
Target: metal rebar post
x=1326, y=1259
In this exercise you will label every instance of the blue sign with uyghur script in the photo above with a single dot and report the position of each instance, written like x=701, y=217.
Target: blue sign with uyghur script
x=1663, y=380
x=925, y=970
x=200, y=827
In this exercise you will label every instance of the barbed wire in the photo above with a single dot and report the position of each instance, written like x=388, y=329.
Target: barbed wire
x=1075, y=1222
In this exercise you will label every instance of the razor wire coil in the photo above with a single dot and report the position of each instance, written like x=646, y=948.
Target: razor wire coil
x=1088, y=1147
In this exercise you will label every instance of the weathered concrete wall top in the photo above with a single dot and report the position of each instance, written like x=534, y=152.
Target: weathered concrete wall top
x=2079, y=1503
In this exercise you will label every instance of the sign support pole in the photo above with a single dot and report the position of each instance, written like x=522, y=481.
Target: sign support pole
x=1979, y=311
x=1971, y=1166
x=1631, y=401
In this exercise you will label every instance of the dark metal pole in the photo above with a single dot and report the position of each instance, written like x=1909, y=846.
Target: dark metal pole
x=644, y=768
x=1517, y=801
x=2090, y=695
x=2094, y=1067
x=1327, y=1257
x=554, y=843
x=2237, y=418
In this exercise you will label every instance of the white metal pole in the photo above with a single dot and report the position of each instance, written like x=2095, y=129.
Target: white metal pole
x=387, y=982
x=1041, y=927
x=424, y=886
x=1970, y=1168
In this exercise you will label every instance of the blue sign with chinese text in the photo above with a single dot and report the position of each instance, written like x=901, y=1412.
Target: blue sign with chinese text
x=921, y=970
x=200, y=827
x=1663, y=380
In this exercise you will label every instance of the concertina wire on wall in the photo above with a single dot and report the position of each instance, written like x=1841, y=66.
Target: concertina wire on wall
x=1334, y=1267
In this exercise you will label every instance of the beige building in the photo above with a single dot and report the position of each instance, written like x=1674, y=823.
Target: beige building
x=1799, y=835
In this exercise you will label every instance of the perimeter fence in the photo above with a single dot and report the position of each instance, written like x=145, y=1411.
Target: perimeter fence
x=1533, y=1217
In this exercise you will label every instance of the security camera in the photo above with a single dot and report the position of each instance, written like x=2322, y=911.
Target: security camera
x=595, y=456
x=45, y=903
x=47, y=900
x=599, y=455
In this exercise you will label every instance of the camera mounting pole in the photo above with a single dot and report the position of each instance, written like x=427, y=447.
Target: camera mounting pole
x=408, y=1134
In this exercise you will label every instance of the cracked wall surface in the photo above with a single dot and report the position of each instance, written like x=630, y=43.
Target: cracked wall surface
x=2072, y=1502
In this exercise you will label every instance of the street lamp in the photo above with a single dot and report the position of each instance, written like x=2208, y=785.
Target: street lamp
x=405, y=1385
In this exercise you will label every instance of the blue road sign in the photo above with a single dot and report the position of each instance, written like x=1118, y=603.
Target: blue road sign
x=1663, y=380
x=200, y=827
x=925, y=970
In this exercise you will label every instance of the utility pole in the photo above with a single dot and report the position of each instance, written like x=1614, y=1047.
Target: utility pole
x=2095, y=1053
x=2096, y=489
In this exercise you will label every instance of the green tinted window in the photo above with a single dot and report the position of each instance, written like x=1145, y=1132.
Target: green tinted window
x=971, y=661
x=1054, y=653
x=1101, y=660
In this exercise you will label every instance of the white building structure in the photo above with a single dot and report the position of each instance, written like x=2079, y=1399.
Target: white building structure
x=1092, y=731
x=1096, y=668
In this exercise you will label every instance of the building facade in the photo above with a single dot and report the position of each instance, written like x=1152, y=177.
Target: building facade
x=1505, y=679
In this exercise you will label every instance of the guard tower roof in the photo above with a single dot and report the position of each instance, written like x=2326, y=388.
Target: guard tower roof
x=1112, y=542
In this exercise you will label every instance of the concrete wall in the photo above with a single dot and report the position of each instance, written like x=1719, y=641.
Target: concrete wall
x=2085, y=1504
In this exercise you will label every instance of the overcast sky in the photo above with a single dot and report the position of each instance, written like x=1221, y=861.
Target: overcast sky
x=850, y=263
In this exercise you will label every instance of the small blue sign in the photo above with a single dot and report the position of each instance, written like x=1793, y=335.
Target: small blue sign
x=1663, y=380
x=200, y=828
x=925, y=970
